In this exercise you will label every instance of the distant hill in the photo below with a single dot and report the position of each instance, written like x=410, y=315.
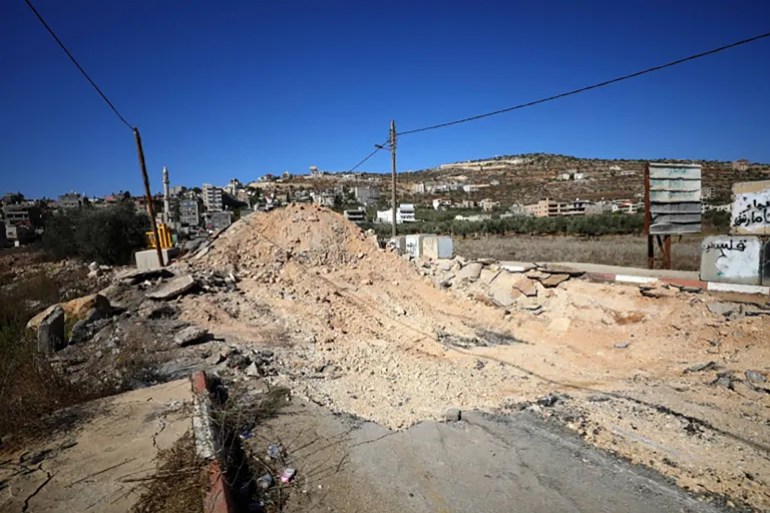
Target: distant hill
x=531, y=177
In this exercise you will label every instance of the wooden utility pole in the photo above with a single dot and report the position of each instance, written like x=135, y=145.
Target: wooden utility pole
x=148, y=195
x=393, y=173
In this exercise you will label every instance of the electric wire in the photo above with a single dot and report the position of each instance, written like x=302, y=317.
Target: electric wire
x=78, y=66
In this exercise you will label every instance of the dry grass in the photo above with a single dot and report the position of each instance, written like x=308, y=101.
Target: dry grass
x=179, y=483
x=624, y=250
x=30, y=388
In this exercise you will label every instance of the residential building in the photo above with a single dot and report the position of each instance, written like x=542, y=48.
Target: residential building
x=467, y=204
x=472, y=187
x=314, y=172
x=177, y=190
x=475, y=218
x=72, y=200
x=212, y=198
x=488, y=205
x=189, y=214
x=233, y=186
x=419, y=188
x=404, y=214
x=518, y=210
x=366, y=196
x=574, y=208
x=741, y=165
x=218, y=220
x=17, y=213
x=544, y=208
x=325, y=199
x=441, y=204
x=356, y=215
x=598, y=208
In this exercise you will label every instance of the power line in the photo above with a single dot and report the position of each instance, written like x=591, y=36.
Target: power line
x=377, y=147
x=78, y=66
x=588, y=88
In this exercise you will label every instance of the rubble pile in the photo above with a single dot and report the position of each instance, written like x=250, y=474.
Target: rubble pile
x=524, y=288
x=260, y=245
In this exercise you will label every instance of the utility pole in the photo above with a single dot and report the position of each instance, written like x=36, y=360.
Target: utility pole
x=393, y=173
x=148, y=195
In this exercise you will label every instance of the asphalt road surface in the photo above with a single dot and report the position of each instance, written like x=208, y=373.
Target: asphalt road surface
x=483, y=463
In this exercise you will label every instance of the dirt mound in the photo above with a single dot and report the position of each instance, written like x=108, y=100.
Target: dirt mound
x=306, y=234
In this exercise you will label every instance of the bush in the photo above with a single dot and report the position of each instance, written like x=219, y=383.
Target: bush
x=30, y=388
x=604, y=224
x=108, y=236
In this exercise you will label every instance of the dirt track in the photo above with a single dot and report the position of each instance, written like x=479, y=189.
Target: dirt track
x=362, y=332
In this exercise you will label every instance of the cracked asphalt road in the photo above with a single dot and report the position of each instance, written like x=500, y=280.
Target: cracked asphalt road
x=482, y=463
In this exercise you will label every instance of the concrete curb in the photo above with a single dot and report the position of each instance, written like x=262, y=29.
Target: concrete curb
x=704, y=285
x=218, y=498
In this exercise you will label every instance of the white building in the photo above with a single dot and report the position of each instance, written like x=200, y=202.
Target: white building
x=324, y=199
x=212, y=198
x=404, y=214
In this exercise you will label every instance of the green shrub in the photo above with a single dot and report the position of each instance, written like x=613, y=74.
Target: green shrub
x=107, y=236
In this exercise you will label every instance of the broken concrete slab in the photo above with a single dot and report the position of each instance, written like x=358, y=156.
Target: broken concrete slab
x=501, y=289
x=132, y=277
x=554, y=280
x=561, y=269
x=50, y=331
x=487, y=275
x=470, y=271
x=173, y=288
x=524, y=285
x=725, y=309
x=191, y=335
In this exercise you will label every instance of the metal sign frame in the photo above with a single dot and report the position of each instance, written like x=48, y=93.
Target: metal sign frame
x=674, y=192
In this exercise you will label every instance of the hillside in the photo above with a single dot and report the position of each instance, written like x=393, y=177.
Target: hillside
x=528, y=178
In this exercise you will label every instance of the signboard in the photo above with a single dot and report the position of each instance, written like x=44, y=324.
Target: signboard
x=731, y=259
x=673, y=198
x=751, y=208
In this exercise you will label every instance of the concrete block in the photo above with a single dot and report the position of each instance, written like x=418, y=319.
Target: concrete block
x=731, y=259
x=413, y=245
x=399, y=243
x=437, y=247
x=147, y=260
x=50, y=332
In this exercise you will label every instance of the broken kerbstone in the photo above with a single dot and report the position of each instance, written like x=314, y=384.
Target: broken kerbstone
x=173, y=288
x=191, y=335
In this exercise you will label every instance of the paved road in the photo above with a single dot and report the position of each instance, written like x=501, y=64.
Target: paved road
x=481, y=464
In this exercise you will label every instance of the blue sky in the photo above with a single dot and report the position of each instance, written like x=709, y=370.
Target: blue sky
x=223, y=89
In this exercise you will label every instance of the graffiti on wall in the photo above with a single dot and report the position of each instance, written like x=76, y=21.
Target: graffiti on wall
x=734, y=259
x=751, y=208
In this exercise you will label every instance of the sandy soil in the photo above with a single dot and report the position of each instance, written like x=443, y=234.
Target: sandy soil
x=363, y=332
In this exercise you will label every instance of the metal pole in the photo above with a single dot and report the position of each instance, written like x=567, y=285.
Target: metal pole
x=148, y=195
x=393, y=173
x=648, y=219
